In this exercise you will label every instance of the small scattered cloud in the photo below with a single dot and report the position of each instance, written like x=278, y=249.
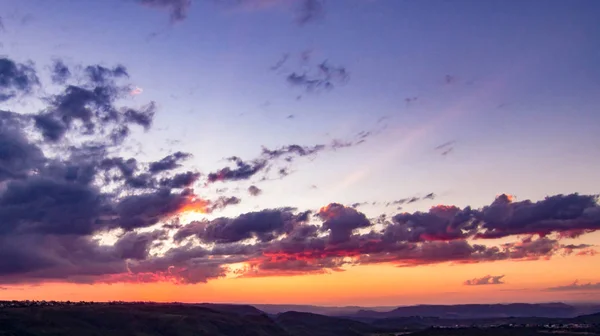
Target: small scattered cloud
x=410, y=100
x=576, y=286
x=450, y=79
x=136, y=91
x=178, y=9
x=486, y=280
x=310, y=11
x=254, y=190
x=280, y=62
x=324, y=77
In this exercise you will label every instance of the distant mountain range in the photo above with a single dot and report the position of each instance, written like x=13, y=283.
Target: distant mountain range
x=468, y=311
x=476, y=311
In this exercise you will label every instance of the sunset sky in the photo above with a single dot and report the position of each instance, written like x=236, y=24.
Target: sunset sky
x=339, y=152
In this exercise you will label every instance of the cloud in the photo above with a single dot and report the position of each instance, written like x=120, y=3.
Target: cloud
x=576, y=286
x=410, y=200
x=254, y=190
x=445, y=148
x=306, y=10
x=134, y=245
x=89, y=108
x=169, y=162
x=60, y=187
x=223, y=202
x=65, y=180
x=60, y=72
x=445, y=145
x=310, y=11
x=244, y=170
x=178, y=9
x=136, y=91
x=341, y=222
x=17, y=79
x=486, y=280
x=264, y=163
x=559, y=213
x=280, y=62
x=181, y=180
x=323, y=77
x=263, y=225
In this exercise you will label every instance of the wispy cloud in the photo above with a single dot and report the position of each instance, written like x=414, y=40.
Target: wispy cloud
x=576, y=286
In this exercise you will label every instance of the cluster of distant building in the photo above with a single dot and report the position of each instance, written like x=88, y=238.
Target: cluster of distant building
x=517, y=325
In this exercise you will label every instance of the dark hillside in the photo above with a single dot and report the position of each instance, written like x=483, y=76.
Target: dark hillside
x=307, y=324
x=140, y=320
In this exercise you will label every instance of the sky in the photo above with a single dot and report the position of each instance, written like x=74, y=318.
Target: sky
x=338, y=152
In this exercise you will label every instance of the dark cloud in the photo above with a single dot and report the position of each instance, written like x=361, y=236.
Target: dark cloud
x=18, y=156
x=450, y=79
x=144, y=210
x=306, y=11
x=409, y=200
x=576, y=286
x=142, y=117
x=445, y=148
x=16, y=79
x=410, y=100
x=323, y=77
x=134, y=245
x=439, y=223
x=60, y=186
x=341, y=222
x=181, y=180
x=445, y=145
x=579, y=249
x=486, y=280
x=37, y=258
x=222, y=202
x=244, y=170
x=178, y=8
x=310, y=11
x=559, y=213
x=102, y=76
x=292, y=150
x=254, y=190
x=60, y=72
x=89, y=107
x=169, y=162
x=263, y=225
x=280, y=62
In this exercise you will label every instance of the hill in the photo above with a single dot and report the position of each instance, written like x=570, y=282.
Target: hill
x=237, y=309
x=308, y=324
x=322, y=310
x=133, y=319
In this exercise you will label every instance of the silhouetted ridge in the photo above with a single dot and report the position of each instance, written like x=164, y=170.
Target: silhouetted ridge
x=233, y=308
x=308, y=324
